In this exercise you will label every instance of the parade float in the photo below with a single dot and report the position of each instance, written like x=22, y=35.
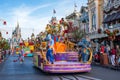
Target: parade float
x=28, y=48
x=62, y=56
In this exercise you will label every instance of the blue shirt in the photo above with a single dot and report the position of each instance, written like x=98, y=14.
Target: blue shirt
x=51, y=42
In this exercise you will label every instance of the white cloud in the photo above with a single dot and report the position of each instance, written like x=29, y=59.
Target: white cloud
x=29, y=20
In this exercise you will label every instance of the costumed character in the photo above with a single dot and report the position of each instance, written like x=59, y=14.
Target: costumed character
x=57, y=28
x=48, y=29
x=41, y=36
x=17, y=49
x=21, y=55
x=51, y=50
x=64, y=27
x=32, y=37
x=49, y=55
x=84, y=44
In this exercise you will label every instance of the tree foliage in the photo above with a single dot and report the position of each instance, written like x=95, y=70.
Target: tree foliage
x=4, y=44
x=78, y=34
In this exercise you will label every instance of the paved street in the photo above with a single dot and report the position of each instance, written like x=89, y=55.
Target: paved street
x=10, y=70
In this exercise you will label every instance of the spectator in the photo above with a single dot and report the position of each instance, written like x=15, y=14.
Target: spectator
x=102, y=49
x=107, y=49
x=108, y=53
x=97, y=57
x=113, y=53
x=118, y=54
x=0, y=55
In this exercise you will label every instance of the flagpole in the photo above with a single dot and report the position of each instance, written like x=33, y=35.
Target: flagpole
x=54, y=12
x=75, y=6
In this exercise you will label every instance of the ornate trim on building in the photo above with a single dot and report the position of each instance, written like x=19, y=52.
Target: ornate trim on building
x=111, y=5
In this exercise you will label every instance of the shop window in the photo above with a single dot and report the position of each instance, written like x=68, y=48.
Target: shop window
x=94, y=21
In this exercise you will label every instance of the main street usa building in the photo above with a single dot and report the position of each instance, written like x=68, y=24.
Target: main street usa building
x=104, y=15
x=112, y=18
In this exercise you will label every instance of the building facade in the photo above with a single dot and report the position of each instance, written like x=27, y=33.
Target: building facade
x=84, y=19
x=95, y=8
x=74, y=23
x=74, y=17
x=112, y=18
x=111, y=13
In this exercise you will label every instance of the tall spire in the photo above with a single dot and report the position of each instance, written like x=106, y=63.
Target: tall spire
x=17, y=23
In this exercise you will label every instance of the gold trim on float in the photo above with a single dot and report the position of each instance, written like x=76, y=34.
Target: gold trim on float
x=90, y=58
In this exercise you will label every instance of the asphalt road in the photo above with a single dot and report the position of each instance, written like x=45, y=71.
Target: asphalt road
x=10, y=70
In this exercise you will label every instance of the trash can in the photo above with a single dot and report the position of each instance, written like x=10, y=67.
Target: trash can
x=103, y=59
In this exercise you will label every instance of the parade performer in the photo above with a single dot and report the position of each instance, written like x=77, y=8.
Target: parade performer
x=19, y=52
x=64, y=27
x=22, y=54
x=84, y=43
x=49, y=55
x=51, y=50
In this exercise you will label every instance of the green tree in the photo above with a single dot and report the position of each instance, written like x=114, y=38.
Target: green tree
x=78, y=34
x=4, y=44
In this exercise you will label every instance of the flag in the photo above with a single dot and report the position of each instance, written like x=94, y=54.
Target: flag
x=75, y=5
x=54, y=11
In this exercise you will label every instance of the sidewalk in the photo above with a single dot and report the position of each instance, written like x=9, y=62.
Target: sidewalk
x=107, y=66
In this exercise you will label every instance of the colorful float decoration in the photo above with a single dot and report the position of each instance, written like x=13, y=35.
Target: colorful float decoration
x=28, y=48
x=62, y=54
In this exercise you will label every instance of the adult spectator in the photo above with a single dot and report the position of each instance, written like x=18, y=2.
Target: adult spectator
x=113, y=53
x=0, y=55
x=117, y=54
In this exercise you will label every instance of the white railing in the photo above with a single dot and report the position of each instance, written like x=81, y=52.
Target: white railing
x=94, y=35
x=97, y=35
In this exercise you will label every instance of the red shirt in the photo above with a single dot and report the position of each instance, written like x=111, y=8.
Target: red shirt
x=113, y=51
x=102, y=49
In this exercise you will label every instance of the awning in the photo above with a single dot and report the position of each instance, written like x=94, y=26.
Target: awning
x=113, y=17
x=107, y=19
x=118, y=16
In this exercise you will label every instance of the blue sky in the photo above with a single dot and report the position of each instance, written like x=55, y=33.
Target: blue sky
x=33, y=15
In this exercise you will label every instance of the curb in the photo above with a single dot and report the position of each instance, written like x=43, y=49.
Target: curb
x=107, y=66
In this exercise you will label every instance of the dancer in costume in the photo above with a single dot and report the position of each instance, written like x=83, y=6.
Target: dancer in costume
x=50, y=51
x=49, y=55
x=84, y=43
